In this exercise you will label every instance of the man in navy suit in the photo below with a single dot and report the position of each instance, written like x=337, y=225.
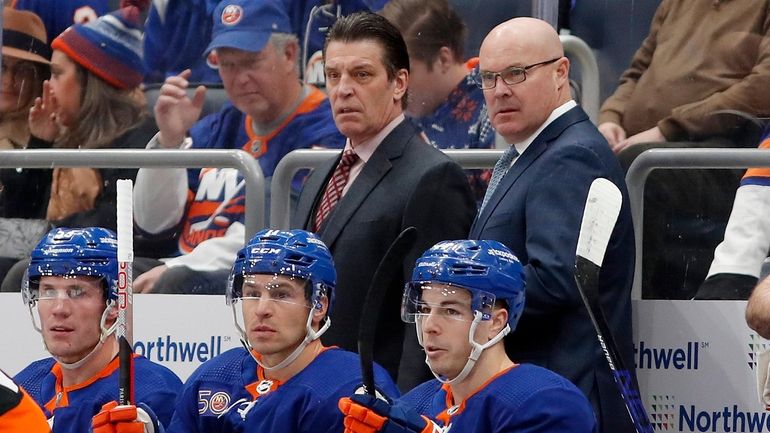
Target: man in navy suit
x=534, y=205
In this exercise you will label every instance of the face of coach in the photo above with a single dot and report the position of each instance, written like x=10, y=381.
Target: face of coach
x=367, y=72
x=528, y=52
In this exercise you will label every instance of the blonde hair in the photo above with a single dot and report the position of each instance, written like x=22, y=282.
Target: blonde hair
x=109, y=111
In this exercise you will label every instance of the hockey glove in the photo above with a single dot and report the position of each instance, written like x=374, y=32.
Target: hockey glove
x=367, y=414
x=126, y=419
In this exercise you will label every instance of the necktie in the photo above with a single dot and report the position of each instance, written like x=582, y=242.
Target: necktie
x=333, y=191
x=501, y=167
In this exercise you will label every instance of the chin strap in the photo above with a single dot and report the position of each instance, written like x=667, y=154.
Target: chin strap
x=476, y=350
x=310, y=336
x=106, y=332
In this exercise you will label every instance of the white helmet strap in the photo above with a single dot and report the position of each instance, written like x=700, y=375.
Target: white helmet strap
x=476, y=349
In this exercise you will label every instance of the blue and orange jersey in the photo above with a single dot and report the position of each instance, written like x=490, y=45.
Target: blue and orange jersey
x=515, y=399
x=18, y=412
x=73, y=407
x=231, y=393
x=216, y=196
x=759, y=175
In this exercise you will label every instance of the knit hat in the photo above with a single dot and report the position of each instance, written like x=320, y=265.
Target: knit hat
x=110, y=47
x=247, y=24
x=24, y=36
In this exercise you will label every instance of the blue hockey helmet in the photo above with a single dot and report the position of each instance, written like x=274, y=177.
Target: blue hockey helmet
x=91, y=252
x=293, y=253
x=487, y=269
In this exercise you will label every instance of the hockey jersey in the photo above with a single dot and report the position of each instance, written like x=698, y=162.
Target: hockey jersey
x=73, y=407
x=231, y=394
x=216, y=196
x=522, y=398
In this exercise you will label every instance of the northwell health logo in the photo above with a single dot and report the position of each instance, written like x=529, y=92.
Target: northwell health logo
x=681, y=357
x=662, y=413
x=757, y=345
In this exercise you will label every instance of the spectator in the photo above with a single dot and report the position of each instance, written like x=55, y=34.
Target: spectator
x=281, y=290
x=26, y=60
x=71, y=290
x=91, y=101
x=700, y=62
x=462, y=318
x=386, y=179
x=25, y=65
x=444, y=99
x=738, y=259
x=534, y=205
x=177, y=31
x=272, y=113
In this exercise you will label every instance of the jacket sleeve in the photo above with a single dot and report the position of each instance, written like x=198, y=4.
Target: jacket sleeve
x=696, y=120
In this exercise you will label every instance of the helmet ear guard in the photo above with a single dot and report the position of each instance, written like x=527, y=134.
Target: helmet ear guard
x=487, y=270
x=294, y=254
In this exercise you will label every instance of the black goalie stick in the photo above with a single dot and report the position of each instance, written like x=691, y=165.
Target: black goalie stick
x=389, y=266
x=599, y=217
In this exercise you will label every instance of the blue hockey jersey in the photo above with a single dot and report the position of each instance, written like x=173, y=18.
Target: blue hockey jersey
x=72, y=407
x=217, y=196
x=524, y=399
x=231, y=394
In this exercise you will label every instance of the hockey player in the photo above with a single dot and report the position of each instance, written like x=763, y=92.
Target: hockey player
x=281, y=290
x=71, y=291
x=464, y=297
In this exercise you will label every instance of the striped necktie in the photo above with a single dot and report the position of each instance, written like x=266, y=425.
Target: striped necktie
x=501, y=168
x=333, y=191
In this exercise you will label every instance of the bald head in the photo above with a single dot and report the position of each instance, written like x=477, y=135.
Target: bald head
x=517, y=110
x=524, y=35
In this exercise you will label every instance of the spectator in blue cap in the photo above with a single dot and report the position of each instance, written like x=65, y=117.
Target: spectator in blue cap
x=200, y=212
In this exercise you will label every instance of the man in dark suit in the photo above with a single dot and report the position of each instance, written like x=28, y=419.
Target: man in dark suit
x=388, y=178
x=534, y=205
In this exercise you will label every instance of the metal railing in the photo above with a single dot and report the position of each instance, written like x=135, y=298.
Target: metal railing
x=280, y=187
x=678, y=158
x=156, y=158
x=584, y=57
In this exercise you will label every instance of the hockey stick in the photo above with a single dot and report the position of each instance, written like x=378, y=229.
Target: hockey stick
x=124, y=330
x=389, y=266
x=599, y=217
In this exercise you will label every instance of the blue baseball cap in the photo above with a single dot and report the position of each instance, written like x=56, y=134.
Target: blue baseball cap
x=247, y=24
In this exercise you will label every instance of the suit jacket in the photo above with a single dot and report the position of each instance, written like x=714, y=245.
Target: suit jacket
x=536, y=211
x=406, y=182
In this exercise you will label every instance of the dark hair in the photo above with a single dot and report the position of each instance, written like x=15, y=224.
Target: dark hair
x=361, y=26
x=427, y=26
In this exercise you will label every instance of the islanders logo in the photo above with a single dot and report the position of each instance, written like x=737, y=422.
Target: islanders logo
x=231, y=15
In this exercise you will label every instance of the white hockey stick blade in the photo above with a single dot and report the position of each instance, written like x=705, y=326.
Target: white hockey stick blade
x=599, y=217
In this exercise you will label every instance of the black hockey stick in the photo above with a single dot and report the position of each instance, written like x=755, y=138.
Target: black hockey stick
x=599, y=217
x=389, y=266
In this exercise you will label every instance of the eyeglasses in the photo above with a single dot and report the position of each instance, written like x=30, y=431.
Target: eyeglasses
x=512, y=75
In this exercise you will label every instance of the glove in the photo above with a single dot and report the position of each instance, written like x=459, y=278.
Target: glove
x=126, y=419
x=367, y=414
